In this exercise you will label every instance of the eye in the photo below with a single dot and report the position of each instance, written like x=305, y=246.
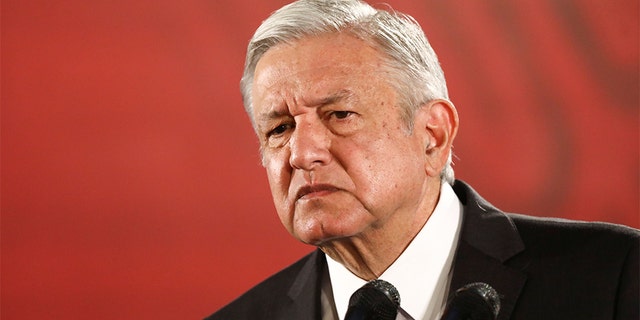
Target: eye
x=279, y=130
x=341, y=114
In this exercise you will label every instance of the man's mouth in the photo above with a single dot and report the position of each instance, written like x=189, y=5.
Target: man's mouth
x=313, y=191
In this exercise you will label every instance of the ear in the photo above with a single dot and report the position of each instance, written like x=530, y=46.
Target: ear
x=437, y=121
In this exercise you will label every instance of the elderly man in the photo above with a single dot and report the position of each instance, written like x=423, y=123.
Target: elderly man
x=351, y=110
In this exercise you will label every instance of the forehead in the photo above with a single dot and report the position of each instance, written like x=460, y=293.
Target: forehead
x=317, y=61
x=329, y=46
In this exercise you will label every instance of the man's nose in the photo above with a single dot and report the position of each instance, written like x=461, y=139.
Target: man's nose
x=309, y=144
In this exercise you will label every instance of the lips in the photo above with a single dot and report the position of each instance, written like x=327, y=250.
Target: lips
x=316, y=190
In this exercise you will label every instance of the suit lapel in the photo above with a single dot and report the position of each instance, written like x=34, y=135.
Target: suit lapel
x=305, y=290
x=488, y=240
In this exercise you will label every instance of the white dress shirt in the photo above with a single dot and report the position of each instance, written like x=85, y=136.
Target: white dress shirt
x=422, y=272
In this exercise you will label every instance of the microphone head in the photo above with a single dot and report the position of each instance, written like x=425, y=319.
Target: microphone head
x=387, y=288
x=376, y=300
x=475, y=301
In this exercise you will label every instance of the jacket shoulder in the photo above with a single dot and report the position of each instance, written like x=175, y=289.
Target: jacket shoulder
x=271, y=298
x=541, y=231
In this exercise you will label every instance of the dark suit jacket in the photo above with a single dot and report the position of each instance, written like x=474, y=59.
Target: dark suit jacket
x=542, y=269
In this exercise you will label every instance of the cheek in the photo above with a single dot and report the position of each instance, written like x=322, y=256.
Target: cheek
x=363, y=166
x=384, y=168
x=279, y=177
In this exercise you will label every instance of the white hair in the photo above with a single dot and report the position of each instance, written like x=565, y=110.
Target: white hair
x=415, y=71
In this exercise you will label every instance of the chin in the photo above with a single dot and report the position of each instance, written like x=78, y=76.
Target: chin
x=317, y=233
x=312, y=237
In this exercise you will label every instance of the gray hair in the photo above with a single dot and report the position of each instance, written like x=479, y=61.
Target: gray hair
x=416, y=73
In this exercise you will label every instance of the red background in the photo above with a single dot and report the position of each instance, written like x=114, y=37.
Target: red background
x=131, y=186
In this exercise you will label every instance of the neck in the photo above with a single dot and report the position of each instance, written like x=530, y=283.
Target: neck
x=369, y=254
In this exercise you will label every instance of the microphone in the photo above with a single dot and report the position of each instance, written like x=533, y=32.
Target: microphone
x=376, y=300
x=475, y=301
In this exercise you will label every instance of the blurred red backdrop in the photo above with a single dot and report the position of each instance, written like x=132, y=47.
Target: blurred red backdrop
x=131, y=186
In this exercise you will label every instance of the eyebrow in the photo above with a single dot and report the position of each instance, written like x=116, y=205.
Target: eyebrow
x=328, y=100
x=333, y=98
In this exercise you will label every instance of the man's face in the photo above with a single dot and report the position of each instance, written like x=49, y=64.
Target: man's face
x=340, y=161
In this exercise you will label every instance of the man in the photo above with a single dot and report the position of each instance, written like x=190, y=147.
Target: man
x=352, y=113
